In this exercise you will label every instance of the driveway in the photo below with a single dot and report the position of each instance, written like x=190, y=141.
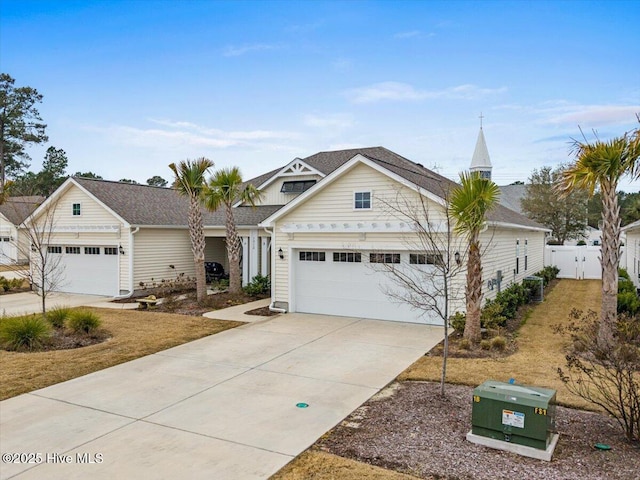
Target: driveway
x=236, y=405
x=29, y=302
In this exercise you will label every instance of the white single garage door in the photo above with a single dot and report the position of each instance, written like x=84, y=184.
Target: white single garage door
x=87, y=269
x=347, y=284
x=8, y=251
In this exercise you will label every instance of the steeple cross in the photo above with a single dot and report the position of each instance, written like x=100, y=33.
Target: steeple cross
x=481, y=117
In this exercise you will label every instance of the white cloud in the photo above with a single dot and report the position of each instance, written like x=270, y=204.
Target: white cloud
x=410, y=34
x=335, y=120
x=237, y=50
x=595, y=115
x=179, y=134
x=397, y=91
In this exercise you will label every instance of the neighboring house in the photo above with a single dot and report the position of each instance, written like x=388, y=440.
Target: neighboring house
x=113, y=237
x=14, y=245
x=631, y=258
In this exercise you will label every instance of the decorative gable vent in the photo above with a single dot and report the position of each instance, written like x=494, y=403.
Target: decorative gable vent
x=298, y=167
x=297, y=186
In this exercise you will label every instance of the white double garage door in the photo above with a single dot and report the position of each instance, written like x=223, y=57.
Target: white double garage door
x=356, y=284
x=87, y=269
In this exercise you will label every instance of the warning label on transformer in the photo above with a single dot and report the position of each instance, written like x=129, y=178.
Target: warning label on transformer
x=513, y=419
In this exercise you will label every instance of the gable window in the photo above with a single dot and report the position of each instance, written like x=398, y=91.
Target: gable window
x=312, y=256
x=297, y=186
x=72, y=250
x=384, y=258
x=92, y=250
x=362, y=200
x=75, y=209
x=425, y=259
x=54, y=249
x=347, y=257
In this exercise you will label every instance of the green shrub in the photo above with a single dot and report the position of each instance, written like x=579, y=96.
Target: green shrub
x=622, y=273
x=465, y=344
x=581, y=243
x=7, y=284
x=57, y=316
x=83, y=321
x=498, y=343
x=625, y=285
x=457, y=321
x=259, y=284
x=629, y=303
x=491, y=315
x=548, y=273
x=24, y=333
x=485, y=344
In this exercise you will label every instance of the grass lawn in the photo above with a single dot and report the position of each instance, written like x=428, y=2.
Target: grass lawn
x=539, y=355
x=133, y=334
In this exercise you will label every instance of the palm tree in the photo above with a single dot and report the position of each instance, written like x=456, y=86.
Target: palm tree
x=190, y=182
x=226, y=188
x=602, y=164
x=469, y=205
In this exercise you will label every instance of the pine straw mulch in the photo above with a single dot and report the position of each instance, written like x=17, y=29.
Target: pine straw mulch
x=411, y=429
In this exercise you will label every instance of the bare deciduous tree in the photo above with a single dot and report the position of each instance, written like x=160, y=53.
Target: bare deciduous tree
x=428, y=282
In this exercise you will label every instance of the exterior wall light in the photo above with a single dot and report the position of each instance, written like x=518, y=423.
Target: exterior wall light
x=457, y=258
x=281, y=254
x=121, y=250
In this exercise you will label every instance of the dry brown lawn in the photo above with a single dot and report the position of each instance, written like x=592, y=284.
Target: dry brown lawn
x=540, y=350
x=317, y=465
x=133, y=334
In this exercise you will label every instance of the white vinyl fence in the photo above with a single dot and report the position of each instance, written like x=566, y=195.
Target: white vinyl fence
x=578, y=262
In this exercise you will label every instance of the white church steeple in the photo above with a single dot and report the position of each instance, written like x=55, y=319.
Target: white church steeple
x=481, y=161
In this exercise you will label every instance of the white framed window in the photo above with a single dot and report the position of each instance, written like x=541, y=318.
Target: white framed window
x=72, y=250
x=110, y=251
x=75, y=209
x=312, y=256
x=54, y=249
x=362, y=200
x=384, y=258
x=425, y=259
x=347, y=257
x=92, y=250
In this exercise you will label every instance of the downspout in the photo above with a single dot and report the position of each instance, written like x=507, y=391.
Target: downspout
x=131, y=234
x=273, y=308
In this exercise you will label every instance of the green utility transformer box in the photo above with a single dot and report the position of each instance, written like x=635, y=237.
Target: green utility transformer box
x=514, y=413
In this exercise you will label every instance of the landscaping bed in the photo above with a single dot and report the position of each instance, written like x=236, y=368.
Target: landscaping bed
x=410, y=428
x=190, y=306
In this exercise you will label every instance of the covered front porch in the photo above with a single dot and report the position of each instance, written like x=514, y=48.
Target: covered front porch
x=255, y=257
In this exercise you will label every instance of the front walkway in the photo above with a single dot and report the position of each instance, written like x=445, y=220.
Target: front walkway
x=236, y=405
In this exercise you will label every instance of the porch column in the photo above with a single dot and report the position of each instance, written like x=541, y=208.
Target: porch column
x=253, y=254
x=245, y=261
x=264, y=256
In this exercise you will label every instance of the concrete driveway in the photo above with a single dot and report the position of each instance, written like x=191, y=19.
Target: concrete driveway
x=223, y=407
x=29, y=302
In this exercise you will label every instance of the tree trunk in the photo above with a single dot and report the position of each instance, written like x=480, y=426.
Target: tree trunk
x=610, y=262
x=233, y=249
x=473, y=291
x=196, y=232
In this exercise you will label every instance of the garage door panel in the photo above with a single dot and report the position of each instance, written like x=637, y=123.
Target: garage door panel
x=354, y=289
x=92, y=274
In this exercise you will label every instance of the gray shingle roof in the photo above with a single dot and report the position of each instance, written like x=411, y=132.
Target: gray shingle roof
x=511, y=195
x=145, y=205
x=17, y=209
x=157, y=206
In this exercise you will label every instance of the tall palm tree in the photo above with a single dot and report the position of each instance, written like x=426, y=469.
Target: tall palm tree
x=602, y=164
x=190, y=182
x=469, y=205
x=224, y=189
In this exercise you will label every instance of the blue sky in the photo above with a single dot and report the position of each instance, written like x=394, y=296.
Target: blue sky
x=131, y=86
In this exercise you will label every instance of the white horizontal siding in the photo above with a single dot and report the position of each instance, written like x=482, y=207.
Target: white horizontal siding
x=91, y=212
x=156, y=249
